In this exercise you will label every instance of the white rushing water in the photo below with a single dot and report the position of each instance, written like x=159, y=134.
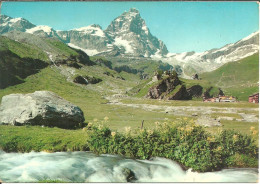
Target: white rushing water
x=87, y=167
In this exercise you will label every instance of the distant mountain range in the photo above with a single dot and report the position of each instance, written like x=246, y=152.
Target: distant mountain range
x=129, y=36
x=213, y=59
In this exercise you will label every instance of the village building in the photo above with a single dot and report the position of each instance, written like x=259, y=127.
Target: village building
x=254, y=98
x=227, y=99
x=208, y=99
x=220, y=99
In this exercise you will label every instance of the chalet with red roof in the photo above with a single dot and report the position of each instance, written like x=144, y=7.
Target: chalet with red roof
x=254, y=98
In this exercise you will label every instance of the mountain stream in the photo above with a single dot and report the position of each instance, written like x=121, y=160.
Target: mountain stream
x=88, y=167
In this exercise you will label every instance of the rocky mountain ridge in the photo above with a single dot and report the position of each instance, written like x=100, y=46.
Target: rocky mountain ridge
x=214, y=58
x=8, y=24
x=127, y=35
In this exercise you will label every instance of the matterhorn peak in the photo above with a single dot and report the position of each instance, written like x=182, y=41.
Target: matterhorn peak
x=133, y=10
x=133, y=13
x=130, y=21
x=132, y=36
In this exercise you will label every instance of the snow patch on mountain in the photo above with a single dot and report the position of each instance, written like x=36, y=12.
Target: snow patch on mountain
x=10, y=21
x=90, y=52
x=119, y=41
x=15, y=20
x=250, y=36
x=156, y=55
x=43, y=28
x=145, y=29
x=92, y=29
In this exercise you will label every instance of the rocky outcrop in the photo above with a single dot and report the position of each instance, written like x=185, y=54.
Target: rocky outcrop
x=166, y=86
x=195, y=91
x=129, y=175
x=39, y=108
x=80, y=80
x=170, y=87
x=181, y=94
x=86, y=79
x=93, y=80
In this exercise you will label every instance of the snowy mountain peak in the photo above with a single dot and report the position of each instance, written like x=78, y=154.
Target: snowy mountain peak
x=9, y=24
x=132, y=13
x=128, y=21
x=15, y=20
x=6, y=20
x=214, y=58
x=132, y=36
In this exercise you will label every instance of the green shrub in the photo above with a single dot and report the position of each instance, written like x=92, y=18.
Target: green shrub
x=185, y=143
x=233, y=142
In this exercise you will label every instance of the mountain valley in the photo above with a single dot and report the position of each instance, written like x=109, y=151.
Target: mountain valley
x=117, y=93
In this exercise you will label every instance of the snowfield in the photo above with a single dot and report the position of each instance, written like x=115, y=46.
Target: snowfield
x=43, y=28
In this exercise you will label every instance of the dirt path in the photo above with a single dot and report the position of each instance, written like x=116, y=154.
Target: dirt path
x=227, y=113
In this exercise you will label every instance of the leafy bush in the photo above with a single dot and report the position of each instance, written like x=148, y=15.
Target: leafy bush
x=185, y=143
x=233, y=142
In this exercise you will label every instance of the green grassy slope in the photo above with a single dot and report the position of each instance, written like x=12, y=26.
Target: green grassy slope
x=18, y=60
x=29, y=54
x=238, y=78
x=22, y=50
x=90, y=98
x=50, y=45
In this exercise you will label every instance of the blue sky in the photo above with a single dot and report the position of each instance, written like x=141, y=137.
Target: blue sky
x=182, y=26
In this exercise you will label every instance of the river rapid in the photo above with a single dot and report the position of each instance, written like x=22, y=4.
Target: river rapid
x=88, y=167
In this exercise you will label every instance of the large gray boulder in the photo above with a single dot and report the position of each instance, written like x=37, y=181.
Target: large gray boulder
x=39, y=108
